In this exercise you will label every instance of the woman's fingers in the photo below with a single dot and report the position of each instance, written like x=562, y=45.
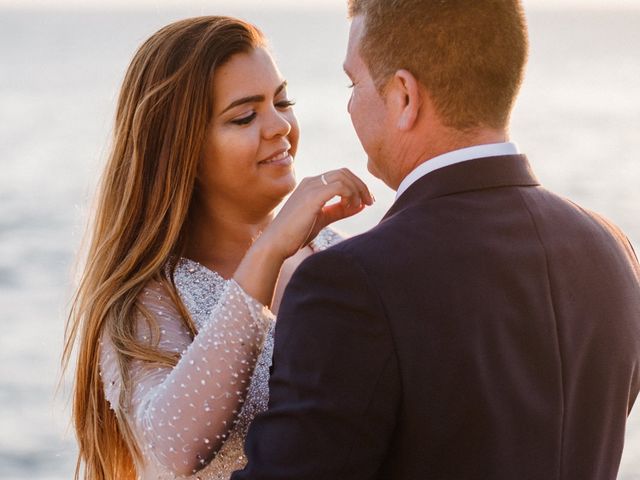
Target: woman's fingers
x=338, y=211
x=338, y=183
x=345, y=175
x=350, y=203
x=341, y=187
x=306, y=211
x=360, y=185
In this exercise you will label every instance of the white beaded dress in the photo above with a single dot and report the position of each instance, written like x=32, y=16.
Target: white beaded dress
x=180, y=416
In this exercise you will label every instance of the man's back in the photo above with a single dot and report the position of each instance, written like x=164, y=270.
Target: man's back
x=485, y=329
x=516, y=320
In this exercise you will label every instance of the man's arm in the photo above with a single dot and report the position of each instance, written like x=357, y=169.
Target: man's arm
x=334, y=389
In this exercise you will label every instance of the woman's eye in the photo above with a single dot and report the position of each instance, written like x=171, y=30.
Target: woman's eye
x=244, y=120
x=286, y=103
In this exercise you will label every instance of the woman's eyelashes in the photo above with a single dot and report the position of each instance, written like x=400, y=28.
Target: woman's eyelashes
x=284, y=104
x=245, y=120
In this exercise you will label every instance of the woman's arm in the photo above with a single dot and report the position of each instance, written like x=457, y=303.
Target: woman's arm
x=180, y=416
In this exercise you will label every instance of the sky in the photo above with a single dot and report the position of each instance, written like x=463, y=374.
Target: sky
x=324, y=4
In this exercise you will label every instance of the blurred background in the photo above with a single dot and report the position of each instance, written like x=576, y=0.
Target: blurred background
x=61, y=63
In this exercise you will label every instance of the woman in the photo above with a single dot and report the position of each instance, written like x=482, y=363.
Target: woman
x=172, y=319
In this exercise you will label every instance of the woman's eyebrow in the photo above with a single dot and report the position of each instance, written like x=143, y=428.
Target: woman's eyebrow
x=253, y=98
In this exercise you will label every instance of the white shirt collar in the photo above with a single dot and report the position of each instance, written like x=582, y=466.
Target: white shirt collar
x=456, y=156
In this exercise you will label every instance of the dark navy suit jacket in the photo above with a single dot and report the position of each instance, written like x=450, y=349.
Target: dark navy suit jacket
x=486, y=329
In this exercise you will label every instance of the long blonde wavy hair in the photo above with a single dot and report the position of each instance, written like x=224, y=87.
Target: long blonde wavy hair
x=139, y=222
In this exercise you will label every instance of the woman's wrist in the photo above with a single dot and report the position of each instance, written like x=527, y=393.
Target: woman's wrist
x=269, y=248
x=258, y=272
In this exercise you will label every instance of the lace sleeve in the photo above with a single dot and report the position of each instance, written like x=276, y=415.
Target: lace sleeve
x=182, y=415
x=328, y=237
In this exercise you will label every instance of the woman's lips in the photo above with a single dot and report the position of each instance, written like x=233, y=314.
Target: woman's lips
x=281, y=159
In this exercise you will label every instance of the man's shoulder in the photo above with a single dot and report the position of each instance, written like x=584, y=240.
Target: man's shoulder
x=363, y=252
x=348, y=266
x=545, y=205
x=366, y=243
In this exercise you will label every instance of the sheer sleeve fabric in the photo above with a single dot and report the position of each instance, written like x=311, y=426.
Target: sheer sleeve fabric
x=328, y=237
x=182, y=415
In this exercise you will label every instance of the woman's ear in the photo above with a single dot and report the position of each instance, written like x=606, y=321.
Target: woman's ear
x=405, y=98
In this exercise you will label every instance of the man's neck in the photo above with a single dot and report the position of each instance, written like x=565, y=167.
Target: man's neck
x=446, y=142
x=454, y=157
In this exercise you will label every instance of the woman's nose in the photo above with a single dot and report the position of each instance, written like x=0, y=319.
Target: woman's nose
x=278, y=125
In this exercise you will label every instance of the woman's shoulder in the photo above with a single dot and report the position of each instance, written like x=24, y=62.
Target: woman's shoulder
x=199, y=288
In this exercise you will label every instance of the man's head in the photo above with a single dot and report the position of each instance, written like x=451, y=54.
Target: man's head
x=461, y=60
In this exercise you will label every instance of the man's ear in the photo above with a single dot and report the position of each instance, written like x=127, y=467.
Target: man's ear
x=404, y=97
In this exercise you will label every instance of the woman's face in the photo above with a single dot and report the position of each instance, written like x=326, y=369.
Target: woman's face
x=252, y=137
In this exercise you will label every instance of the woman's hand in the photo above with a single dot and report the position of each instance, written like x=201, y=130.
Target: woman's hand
x=303, y=215
x=306, y=212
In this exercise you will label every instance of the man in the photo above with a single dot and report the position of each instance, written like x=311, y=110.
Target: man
x=486, y=328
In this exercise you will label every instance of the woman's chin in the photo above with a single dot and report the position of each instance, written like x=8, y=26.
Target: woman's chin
x=288, y=184
x=280, y=188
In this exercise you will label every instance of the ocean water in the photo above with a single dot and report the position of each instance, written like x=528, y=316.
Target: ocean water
x=578, y=119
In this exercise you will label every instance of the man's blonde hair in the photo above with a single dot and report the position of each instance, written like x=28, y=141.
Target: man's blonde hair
x=469, y=54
